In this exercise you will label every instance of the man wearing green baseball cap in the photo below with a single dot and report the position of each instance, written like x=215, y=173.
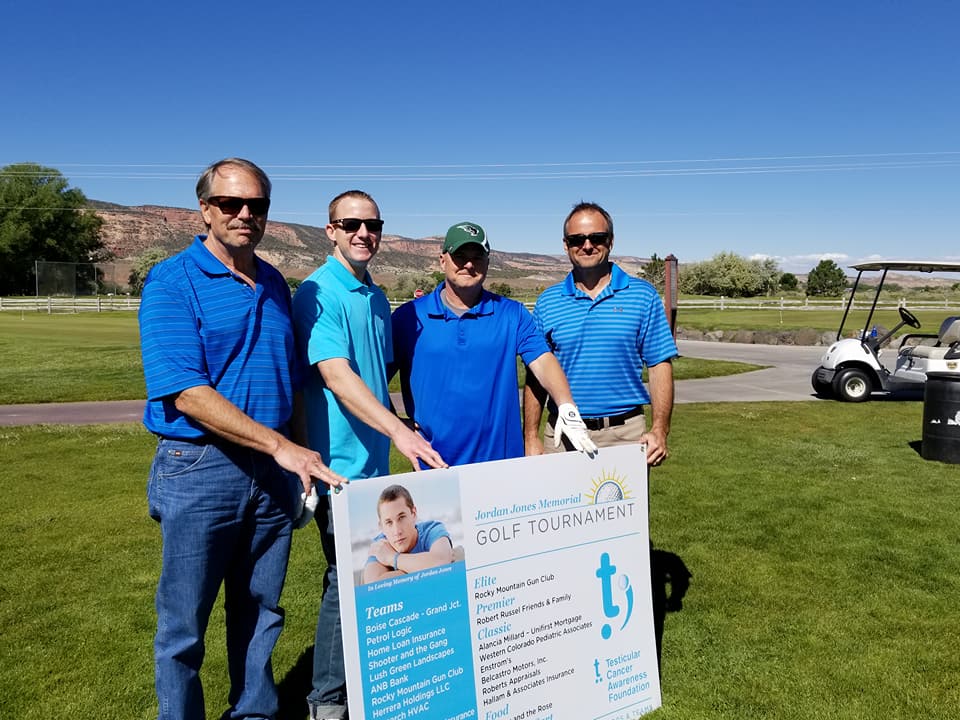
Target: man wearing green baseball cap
x=456, y=350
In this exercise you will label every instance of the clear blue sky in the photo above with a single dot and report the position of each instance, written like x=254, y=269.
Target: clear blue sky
x=796, y=130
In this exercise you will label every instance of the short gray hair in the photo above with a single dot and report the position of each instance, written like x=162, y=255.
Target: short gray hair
x=206, y=179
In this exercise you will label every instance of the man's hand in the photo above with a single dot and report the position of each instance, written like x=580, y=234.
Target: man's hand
x=656, y=442
x=570, y=423
x=305, y=464
x=414, y=447
x=307, y=507
x=383, y=552
x=533, y=446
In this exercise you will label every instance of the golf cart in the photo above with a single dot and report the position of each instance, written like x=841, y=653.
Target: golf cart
x=851, y=370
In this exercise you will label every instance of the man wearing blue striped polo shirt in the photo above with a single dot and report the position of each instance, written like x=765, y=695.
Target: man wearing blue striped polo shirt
x=604, y=327
x=221, y=375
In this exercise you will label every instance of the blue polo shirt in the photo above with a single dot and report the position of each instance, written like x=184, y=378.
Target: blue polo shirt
x=459, y=374
x=337, y=316
x=603, y=343
x=200, y=324
x=428, y=532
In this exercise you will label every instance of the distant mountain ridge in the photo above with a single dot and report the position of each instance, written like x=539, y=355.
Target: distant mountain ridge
x=299, y=249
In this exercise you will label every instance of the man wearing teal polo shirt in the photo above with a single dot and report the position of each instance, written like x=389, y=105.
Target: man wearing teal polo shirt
x=343, y=327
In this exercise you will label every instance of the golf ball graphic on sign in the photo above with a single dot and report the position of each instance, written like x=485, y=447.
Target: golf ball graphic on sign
x=608, y=492
x=609, y=487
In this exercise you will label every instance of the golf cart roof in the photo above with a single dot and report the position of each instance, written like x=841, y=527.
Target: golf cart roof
x=909, y=265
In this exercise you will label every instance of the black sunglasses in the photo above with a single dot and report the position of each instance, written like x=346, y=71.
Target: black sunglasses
x=597, y=238
x=233, y=205
x=352, y=225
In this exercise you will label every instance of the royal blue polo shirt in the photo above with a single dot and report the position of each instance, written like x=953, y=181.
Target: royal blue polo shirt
x=338, y=316
x=603, y=343
x=459, y=374
x=200, y=324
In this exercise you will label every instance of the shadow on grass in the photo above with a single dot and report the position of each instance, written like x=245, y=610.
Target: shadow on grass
x=295, y=687
x=666, y=568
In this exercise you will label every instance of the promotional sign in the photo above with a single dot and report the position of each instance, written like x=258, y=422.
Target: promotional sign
x=545, y=612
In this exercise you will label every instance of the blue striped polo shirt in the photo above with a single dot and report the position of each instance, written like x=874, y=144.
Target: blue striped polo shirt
x=603, y=343
x=337, y=316
x=202, y=325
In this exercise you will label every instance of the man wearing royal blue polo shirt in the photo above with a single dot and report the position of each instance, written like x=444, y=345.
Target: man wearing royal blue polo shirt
x=343, y=329
x=222, y=379
x=456, y=350
x=604, y=326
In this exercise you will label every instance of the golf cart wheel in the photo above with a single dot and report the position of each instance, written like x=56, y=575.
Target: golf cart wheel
x=852, y=385
x=821, y=388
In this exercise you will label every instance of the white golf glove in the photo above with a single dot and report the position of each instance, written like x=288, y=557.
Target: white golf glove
x=570, y=423
x=308, y=506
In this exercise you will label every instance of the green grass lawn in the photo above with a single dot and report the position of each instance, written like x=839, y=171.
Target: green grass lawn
x=66, y=358
x=825, y=556
x=822, y=320
x=69, y=358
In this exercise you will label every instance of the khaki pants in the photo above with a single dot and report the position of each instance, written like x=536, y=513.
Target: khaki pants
x=629, y=432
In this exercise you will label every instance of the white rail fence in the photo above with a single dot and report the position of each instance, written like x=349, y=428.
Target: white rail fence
x=70, y=305
x=113, y=303
x=766, y=303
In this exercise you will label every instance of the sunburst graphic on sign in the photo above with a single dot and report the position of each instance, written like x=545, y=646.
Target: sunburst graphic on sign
x=609, y=487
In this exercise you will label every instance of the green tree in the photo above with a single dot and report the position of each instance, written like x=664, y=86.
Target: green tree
x=502, y=288
x=788, y=281
x=826, y=279
x=41, y=218
x=769, y=274
x=655, y=272
x=408, y=283
x=728, y=274
x=142, y=266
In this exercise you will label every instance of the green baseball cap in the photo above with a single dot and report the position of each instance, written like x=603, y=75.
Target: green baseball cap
x=463, y=234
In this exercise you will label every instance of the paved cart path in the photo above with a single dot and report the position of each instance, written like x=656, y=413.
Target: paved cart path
x=787, y=378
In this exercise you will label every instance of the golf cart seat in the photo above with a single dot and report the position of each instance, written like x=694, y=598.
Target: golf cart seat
x=947, y=339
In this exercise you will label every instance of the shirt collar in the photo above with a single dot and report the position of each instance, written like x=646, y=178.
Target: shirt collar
x=436, y=308
x=347, y=278
x=210, y=263
x=619, y=280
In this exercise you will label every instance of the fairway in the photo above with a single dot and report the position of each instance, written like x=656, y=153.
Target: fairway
x=69, y=358
x=826, y=570
x=96, y=356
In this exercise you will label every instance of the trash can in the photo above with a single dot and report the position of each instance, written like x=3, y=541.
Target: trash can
x=941, y=418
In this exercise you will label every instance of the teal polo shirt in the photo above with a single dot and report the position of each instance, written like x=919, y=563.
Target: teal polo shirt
x=337, y=316
x=459, y=374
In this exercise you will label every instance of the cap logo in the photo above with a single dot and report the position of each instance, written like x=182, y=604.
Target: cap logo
x=470, y=229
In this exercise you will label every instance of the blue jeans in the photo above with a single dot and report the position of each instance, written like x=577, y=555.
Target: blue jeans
x=329, y=675
x=225, y=518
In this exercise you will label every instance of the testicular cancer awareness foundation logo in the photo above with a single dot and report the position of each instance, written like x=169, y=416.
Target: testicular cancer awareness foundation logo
x=614, y=589
x=606, y=574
